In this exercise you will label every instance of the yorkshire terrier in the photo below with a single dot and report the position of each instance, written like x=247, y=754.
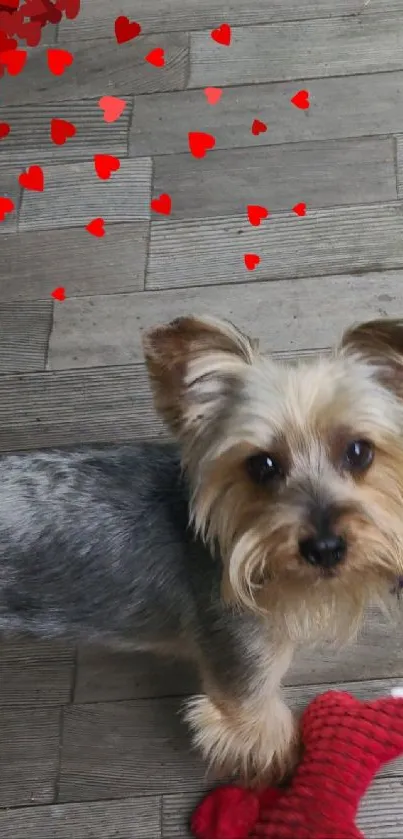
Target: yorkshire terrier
x=273, y=522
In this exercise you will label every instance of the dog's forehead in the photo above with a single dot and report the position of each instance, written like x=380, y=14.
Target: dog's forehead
x=314, y=396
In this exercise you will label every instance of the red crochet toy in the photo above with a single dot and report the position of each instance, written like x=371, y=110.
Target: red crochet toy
x=345, y=743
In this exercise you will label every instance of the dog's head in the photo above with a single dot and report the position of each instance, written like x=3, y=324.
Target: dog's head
x=296, y=469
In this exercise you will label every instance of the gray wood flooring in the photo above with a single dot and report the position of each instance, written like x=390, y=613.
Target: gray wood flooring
x=91, y=744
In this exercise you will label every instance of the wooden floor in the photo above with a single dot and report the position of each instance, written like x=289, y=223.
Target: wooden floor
x=91, y=745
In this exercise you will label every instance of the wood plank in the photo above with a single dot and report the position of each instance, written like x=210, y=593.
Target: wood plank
x=380, y=814
x=74, y=195
x=322, y=174
x=133, y=818
x=96, y=19
x=35, y=673
x=56, y=409
x=284, y=315
x=114, y=750
x=176, y=812
x=29, y=756
x=9, y=188
x=360, y=105
x=104, y=676
x=399, y=164
x=211, y=251
x=29, y=139
x=99, y=68
x=338, y=47
x=118, y=749
x=24, y=333
x=378, y=654
x=35, y=262
x=115, y=403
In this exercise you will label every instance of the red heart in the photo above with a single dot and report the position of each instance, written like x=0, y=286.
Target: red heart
x=156, y=57
x=14, y=60
x=162, y=204
x=256, y=214
x=126, y=30
x=34, y=8
x=301, y=100
x=71, y=7
x=59, y=60
x=213, y=94
x=299, y=209
x=59, y=293
x=31, y=33
x=251, y=260
x=96, y=227
x=112, y=107
x=61, y=130
x=258, y=127
x=222, y=34
x=5, y=42
x=6, y=206
x=33, y=178
x=199, y=143
x=4, y=129
x=105, y=164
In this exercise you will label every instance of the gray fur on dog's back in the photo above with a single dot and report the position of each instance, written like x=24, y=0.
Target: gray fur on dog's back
x=94, y=543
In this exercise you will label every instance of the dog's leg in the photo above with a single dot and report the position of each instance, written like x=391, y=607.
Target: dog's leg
x=244, y=727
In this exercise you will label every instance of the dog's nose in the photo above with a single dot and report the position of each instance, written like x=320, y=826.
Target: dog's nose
x=323, y=551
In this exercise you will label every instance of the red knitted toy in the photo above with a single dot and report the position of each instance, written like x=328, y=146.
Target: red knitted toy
x=345, y=743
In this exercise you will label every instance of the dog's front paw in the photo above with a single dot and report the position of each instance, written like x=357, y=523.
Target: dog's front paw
x=257, y=749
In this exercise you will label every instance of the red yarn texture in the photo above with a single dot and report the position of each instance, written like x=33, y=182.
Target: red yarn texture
x=346, y=742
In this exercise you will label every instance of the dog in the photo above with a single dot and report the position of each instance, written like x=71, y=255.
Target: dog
x=271, y=522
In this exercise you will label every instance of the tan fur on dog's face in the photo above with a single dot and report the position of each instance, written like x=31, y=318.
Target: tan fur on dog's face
x=225, y=402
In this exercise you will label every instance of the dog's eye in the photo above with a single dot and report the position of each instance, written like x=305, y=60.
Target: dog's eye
x=263, y=468
x=358, y=456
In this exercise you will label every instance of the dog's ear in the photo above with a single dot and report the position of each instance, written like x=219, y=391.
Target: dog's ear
x=194, y=364
x=380, y=344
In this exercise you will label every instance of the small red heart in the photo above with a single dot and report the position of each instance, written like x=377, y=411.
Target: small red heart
x=96, y=227
x=14, y=60
x=61, y=130
x=301, y=100
x=6, y=206
x=126, y=30
x=105, y=164
x=59, y=60
x=299, y=209
x=33, y=178
x=251, y=260
x=200, y=143
x=258, y=127
x=213, y=94
x=4, y=129
x=112, y=107
x=34, y=8
x=59, y=293
x=31, y=32
x=222, y=34
x=256, y=214
x=6, y=43
x=162, y=204
x=72, y=8
x=156, y=57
